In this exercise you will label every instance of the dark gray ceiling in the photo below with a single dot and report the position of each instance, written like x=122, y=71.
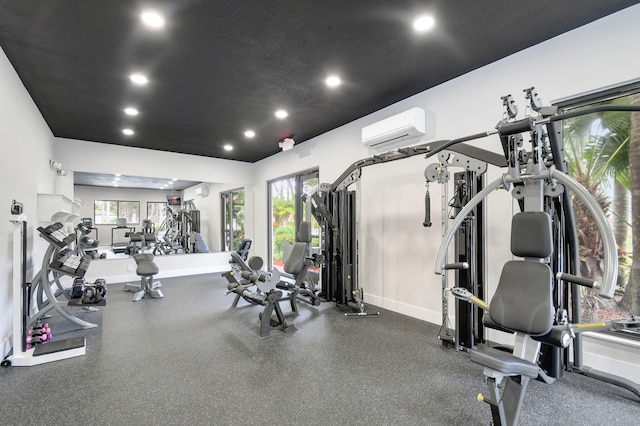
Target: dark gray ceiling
x=221, y=67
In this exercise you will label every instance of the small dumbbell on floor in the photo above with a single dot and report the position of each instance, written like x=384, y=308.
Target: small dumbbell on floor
x=39, y=334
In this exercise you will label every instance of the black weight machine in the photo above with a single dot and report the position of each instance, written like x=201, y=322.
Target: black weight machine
x=469, y=259
x=537, y=298
x=334, y=207
x=248, y=281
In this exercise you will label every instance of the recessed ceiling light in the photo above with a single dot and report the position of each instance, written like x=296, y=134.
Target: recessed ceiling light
x=118, y=174
x=139, y=79
x=282, y=114
x=128, y=132
x=130, y=111
x=250, y=134
x=117, y=178
x=152, y=19
x=174, y=180
x=333, y=81
x=228, y=147
x=423, y=23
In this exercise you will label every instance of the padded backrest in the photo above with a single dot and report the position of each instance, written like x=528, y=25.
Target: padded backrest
x=304, y=232
x=296, y=261
x=531, y=235
x=297, y=257
x=523, y=299
x=236, y=258
x=244, y=248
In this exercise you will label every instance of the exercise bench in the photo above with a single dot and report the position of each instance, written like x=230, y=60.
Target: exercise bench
x=146, y=270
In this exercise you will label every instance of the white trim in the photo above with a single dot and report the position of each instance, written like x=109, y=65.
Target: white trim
x=595, y=91
x=405, y=309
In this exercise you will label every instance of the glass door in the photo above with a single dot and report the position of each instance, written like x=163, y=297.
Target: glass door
x=233, y=216
x=286, y=210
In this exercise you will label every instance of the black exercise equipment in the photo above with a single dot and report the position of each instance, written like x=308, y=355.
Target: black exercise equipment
x=259, y=288
x=334, y=207
x=268, y=289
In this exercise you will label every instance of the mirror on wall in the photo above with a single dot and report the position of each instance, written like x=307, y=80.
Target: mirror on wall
x=131, y=214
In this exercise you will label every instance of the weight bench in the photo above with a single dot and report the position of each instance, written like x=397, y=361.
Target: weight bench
x=259, y=288
x=146, y=270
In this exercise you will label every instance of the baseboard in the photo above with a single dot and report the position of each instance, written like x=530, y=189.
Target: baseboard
x=404, y=308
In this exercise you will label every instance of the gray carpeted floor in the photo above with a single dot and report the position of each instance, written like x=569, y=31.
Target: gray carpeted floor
x=191, y=359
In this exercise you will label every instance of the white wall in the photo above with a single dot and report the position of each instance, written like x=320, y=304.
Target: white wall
x=26, y=142
x=81, y=156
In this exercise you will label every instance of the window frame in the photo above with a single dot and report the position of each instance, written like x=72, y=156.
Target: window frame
x=118, y=212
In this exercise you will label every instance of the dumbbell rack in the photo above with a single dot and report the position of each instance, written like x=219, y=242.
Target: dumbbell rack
x=51, y=266
x=42, y=353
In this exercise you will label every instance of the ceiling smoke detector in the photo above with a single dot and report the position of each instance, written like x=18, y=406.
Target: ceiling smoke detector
x=286, y=144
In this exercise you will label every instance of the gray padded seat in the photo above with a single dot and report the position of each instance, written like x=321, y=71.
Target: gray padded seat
x=502, y=361
x=147, y=269
x=146, y=266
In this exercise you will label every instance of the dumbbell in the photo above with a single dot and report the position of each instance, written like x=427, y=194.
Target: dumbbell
x=78, y=288
x=94, y=294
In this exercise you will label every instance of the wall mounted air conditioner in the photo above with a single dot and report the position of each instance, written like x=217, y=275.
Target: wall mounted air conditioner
x=395, y=129
x=202, y=191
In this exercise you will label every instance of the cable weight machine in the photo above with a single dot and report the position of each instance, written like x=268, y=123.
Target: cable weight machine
x=335, y=207
x=469, y=259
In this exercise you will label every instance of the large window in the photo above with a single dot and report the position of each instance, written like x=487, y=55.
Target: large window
x=233, y=219
x=286, y=211
x=107, y=211
x=603, y=152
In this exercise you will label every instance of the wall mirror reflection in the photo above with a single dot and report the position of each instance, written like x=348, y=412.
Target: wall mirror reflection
x=123, y=215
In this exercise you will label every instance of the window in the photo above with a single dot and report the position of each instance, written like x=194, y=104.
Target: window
x=233, y=219
x=107, y=211
x=600, y=151
x=286, y=211
x=157, y=212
